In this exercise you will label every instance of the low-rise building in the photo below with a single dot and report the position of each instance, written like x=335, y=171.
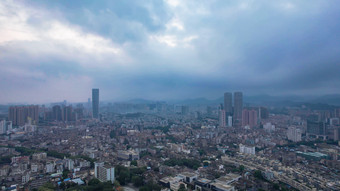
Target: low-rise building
x=128, y=155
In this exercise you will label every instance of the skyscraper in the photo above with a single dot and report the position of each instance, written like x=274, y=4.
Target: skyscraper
x=95, y=103
x=228, y=107
x=238, y=106
x=222, y=118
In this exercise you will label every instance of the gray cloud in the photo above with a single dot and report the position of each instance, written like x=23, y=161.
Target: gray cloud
x=167, y=49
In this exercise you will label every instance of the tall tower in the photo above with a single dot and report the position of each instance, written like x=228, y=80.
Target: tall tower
x=95, y=103
x=238, y=105
x=222, y=118
x=228, y=107
x=57, y=113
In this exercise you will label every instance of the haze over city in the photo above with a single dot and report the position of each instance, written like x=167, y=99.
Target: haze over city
x=169, y=95
x=163, y=50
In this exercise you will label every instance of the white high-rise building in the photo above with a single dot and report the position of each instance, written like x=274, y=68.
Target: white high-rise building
x=70, y=164
x=247, y=149
x=25, y=177
x=294, y=134
x=49, y=167
x=3, y=127
x=269, y=127
x=230, y=121
x=9, y=125
x=29, y=127
x=104, y=172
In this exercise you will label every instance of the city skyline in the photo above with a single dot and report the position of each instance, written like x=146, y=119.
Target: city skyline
x=332, y=99
x=59, y=50
x=169, y=95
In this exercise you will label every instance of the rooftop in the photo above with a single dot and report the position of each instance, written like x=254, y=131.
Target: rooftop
x=222, y=186
x=188, y=174
x=229, y=177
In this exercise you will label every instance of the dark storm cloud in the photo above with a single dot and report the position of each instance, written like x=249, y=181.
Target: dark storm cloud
x=167, y=49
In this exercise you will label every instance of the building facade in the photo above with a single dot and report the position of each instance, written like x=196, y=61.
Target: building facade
x=95, y=103
x=247, y=149
x=294, y=134
x=19, y=115
x=228, y=103
x=238, y=106
x=249, y=118
x=222, y=118
x=104, y=172
x=316, y=128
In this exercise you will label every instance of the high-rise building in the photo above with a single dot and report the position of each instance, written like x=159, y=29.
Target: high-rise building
x=230, y=121
x=185, y=110
x=19, y=114
x=33, y=113
x=263, y=113
x=104, y=172
x=294, y=134
x=337, y=112
x=222, y=118
x=249, y=117
x=228, y=103
x=336, y=135
x=238, y=106
x=79, y=112
x=67, y=113
x=12, y=115
x=334, y=121
x=209, y=111
x=247, y=149
x=3, y=127
x=95, y=103
x=57, y=113
x=9, y=125
x=269, y=127
x=315, y=128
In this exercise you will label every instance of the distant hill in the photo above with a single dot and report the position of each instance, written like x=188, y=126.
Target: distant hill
x=333, y=99
x=196, y=101
x=265, y=100
x=140, y=101
x=268, y=100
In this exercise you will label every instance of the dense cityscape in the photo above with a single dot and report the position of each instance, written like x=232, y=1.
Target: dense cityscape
x=159, y=146
x=169, y=95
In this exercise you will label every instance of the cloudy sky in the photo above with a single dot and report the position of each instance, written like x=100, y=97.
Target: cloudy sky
x=170, y=49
